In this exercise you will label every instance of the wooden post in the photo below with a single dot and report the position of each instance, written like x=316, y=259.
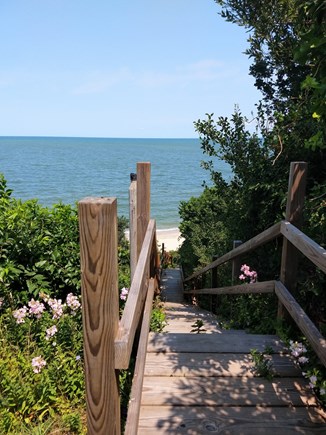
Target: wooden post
x=293, y=214
x=143, y=201
x=100, y=301
x=214, y=284
x=133, y=224
x=236, y=263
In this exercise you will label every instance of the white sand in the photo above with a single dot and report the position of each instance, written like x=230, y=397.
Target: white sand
x=170, y=238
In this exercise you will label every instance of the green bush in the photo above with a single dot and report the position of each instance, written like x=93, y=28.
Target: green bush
x=41, y=352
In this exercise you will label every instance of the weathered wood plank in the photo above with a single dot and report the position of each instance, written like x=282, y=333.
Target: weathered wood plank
x=201, y=343
x=314, y=337
x=99, y=277
x=135, y=302
x=293, y=214
x=307, y=246
x=257, y=287
x=137, y=384
x=143, y=201
x=230, y=421
x=262, y=238
x=214, y=364
x=133, y=227
x=226, y=391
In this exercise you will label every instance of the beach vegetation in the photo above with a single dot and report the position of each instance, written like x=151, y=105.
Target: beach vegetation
x=41, y=354
x=286, y=46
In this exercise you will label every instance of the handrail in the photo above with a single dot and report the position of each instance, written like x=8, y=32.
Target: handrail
x=307, y=246
x=317, y=341
x=132, y=311
x=311, y=249
x=131, y=428
x=262, y=238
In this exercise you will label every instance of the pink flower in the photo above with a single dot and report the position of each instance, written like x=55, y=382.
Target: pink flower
x=72, y=302
x=38, y=363
x=20, y=314
x=36, y=308
x=124, y=293
x=50, y=332
x=56, y=307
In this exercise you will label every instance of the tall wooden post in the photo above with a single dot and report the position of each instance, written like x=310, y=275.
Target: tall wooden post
x=100, y=301
x=214, y=285
x=133, y=224
x=143, y=201
x=293, y=214
x=236, y=263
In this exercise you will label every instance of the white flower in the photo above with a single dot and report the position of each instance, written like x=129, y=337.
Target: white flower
x=38, y=363
x=20, y=314
x=50, y=332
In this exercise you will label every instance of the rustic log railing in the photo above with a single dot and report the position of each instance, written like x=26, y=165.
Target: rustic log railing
x=108, y=341
x=294, y=241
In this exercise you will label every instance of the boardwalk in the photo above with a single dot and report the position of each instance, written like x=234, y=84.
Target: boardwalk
x=205, y=383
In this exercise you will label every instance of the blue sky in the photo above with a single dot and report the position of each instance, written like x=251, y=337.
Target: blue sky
x=118, y=68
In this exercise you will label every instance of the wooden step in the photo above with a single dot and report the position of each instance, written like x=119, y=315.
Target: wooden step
x=211, y=343
x=214, y=364
x=235, y=420
x=228, y=391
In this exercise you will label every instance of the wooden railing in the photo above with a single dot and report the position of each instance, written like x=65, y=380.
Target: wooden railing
x=294, y=241
x=108, y=341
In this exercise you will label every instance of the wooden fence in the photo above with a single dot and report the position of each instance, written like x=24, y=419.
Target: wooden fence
x=294, y=242
x=108, y=340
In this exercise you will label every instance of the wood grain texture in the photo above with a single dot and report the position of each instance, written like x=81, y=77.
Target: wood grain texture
x=202, y=343
x=137, y=384
x=314, y=337
x=135, y=302
x=262, y=238
x=206, y=383
x=226, y=391
x=307, y=246
x=257, y=287
x=293, y=214
x=214, y=365
x=100, y=304
x=133, y=227
x=143, y=201
x=233, y=420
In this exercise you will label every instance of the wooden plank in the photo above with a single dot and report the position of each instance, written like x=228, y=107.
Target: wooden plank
x=257, y=287
x=307, y=246
x=262, y=238
x=133, y=227
x=100, y=302
x=201, y=343
x=137, y=384
x=308, y=328
x=143, y=201
x=226, y=391
x=230, y=421
x=135, y=302
x=293, y=214
x=214, y=364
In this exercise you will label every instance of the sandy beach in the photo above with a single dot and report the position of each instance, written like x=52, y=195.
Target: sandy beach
x=171, y=239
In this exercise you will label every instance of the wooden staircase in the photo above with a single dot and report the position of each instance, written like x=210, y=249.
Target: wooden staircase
x=205, y=383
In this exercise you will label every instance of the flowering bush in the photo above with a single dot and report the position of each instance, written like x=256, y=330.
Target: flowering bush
x=247, y=274
x=41, y=365
x=316, y=380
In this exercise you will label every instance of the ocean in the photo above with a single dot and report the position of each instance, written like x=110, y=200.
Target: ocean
x=58, y=169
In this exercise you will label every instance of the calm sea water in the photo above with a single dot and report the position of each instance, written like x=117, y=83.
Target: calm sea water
x=69, y=169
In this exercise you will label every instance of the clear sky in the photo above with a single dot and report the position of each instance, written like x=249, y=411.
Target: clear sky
x=118, y=68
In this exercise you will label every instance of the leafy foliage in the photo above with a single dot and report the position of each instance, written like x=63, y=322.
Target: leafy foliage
x=286, y=46
x=41, y=353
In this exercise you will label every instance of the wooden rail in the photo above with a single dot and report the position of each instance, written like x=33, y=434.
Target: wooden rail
x=108, y=341
x=293, y=240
